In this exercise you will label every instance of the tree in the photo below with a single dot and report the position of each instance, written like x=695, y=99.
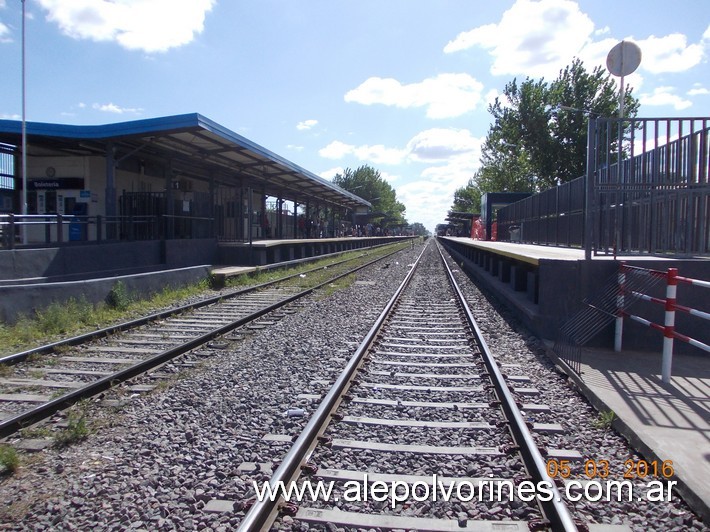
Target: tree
x=468, y=198
x=539, y=135
x=367, y=183
x=418, y=229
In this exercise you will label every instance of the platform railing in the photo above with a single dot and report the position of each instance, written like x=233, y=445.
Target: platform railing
x=671, y=306
x=42, y=230
x=656, y=202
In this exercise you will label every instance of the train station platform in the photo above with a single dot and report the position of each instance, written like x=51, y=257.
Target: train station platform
x=663, y=421
x=547, y=285
x=263, y=252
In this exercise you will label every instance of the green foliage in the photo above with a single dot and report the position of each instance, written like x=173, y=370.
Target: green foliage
x=538, y=138
x=419, y=229
x=9, y=459
x=468, y=198
x=604, y=420
x=76, y=429
x=60, y=318
x=367, y=183
x=119, y=298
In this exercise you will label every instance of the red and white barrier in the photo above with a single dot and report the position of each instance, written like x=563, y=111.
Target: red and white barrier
x=671, y=306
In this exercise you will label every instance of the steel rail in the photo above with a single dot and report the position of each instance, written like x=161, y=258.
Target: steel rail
x=555, y=510
x=262, y=513
x=138, y=322
x=13, y=424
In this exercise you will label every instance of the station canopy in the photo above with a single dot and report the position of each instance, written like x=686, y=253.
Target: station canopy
x=459, y=216
x=194, y=145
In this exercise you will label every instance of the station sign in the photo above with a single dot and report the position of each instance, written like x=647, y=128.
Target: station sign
x=62, y=183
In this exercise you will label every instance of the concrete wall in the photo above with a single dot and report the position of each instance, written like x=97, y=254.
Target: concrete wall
x=32, y=279
x=18, y=300
x=71, y=262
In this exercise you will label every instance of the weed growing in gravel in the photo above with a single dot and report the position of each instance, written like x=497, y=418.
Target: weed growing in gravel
x=76, y=429
x=9, y=459
x=119, y=298
x=604, y=420
x=340, y=284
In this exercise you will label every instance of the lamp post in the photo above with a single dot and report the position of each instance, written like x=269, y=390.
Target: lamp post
x=24, y=135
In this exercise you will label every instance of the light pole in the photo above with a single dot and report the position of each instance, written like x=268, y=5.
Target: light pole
x=24, y=135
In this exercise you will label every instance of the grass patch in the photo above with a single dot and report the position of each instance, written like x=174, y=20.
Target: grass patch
x=9, y=458
x=341, y=284
x=76, y=316
x=36, y=432
x=6, y=371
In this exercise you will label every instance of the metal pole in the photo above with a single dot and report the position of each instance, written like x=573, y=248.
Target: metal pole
x=669, y=324
x=589, y=178
x=24, y=137
x=620, y=197
x=619, y=328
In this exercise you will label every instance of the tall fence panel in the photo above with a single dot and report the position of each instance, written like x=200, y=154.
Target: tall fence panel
x=648, y=192
x=657, y=199
x=554, y=217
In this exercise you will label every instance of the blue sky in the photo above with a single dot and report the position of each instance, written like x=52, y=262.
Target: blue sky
x=401, y=85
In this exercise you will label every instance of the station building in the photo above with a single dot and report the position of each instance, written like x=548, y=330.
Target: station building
x=155, y=195
x=170, y=178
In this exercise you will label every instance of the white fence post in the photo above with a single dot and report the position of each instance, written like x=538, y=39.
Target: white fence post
x=619, y=328
x=669, y=324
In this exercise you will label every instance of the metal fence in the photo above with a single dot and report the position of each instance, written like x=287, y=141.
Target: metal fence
x=17, y=231
x=655, y=202
x=553, y=217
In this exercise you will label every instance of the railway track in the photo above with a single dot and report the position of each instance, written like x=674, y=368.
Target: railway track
x=39, y=382
x=420, y=411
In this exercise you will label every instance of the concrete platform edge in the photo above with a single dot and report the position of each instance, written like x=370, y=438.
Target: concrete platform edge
x=696, y=502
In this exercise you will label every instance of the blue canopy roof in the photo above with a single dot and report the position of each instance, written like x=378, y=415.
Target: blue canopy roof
x=201, y=146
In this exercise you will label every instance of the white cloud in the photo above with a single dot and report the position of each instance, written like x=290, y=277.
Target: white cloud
x=533, y=37
x=390, y=178
x=336, y=150
x=665, y=96
x=698, y=90
x=331, y=173
x=115, y=109
x=379, y=154
x=147, y=25
x=439, y=144
x=430, y=146
x=537, y=38
x=294, y=147
x=306, y=125
x=671, y=53
x=4, y=33
x=429, y=198
x=444, y=96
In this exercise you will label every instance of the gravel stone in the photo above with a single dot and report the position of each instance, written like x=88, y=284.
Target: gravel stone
x=156, y=460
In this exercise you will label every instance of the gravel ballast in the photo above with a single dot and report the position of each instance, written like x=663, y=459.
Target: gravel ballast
x=172, y=459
